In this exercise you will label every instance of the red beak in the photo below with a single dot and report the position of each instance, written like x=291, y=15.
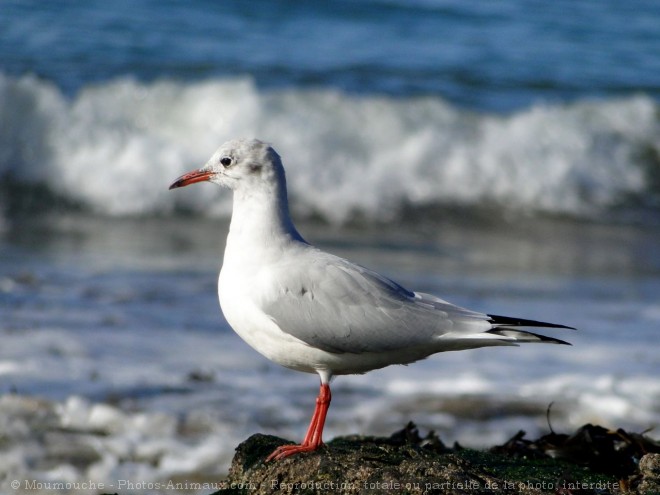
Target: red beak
x=200, y=175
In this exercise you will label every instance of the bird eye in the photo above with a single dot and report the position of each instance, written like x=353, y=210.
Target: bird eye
x=225, y=161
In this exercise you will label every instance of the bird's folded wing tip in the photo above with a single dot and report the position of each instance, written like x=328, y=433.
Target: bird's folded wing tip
x=521, y=322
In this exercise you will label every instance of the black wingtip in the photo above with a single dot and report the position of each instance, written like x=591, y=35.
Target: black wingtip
x=520, y=322
x=552, y=340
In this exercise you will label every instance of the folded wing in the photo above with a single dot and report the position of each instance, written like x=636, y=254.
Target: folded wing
x=339, y=307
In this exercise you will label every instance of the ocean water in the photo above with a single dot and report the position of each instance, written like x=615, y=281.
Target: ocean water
x=504, y=156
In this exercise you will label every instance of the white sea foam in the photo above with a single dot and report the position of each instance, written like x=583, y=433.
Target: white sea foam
x=117, y=145
x=95, y=405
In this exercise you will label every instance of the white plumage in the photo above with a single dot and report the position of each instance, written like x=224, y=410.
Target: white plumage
x=312, y=311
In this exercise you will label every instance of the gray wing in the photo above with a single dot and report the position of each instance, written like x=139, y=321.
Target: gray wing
x=337, y=306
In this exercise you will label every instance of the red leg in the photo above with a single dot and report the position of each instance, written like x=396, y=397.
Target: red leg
x=313, y=439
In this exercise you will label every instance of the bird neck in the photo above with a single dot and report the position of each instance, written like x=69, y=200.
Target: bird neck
x=261, y=219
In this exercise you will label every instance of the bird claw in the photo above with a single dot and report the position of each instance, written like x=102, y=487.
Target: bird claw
x=284, y=451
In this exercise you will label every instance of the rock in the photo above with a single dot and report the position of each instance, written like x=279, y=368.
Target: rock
x=404, y=463
x=355, y=465
x=649, y=470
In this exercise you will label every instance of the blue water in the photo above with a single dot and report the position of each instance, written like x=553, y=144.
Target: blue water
x=485, y=55
x=528, y=106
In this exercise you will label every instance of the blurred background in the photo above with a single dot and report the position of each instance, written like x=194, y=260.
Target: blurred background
x=502, y=155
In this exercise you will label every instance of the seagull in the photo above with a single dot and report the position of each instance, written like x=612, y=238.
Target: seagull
x=311, y=311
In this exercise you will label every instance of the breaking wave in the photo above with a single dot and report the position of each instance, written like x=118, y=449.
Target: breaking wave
x=115, y=147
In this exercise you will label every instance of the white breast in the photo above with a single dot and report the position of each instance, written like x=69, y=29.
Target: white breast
x=239, y=303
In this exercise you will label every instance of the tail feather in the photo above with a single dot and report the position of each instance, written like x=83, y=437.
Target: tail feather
x=525, y=336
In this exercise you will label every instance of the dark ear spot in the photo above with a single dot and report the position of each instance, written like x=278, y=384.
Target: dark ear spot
x=254, y=168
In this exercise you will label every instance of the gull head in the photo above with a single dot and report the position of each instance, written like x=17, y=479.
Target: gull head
x=240, y=164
